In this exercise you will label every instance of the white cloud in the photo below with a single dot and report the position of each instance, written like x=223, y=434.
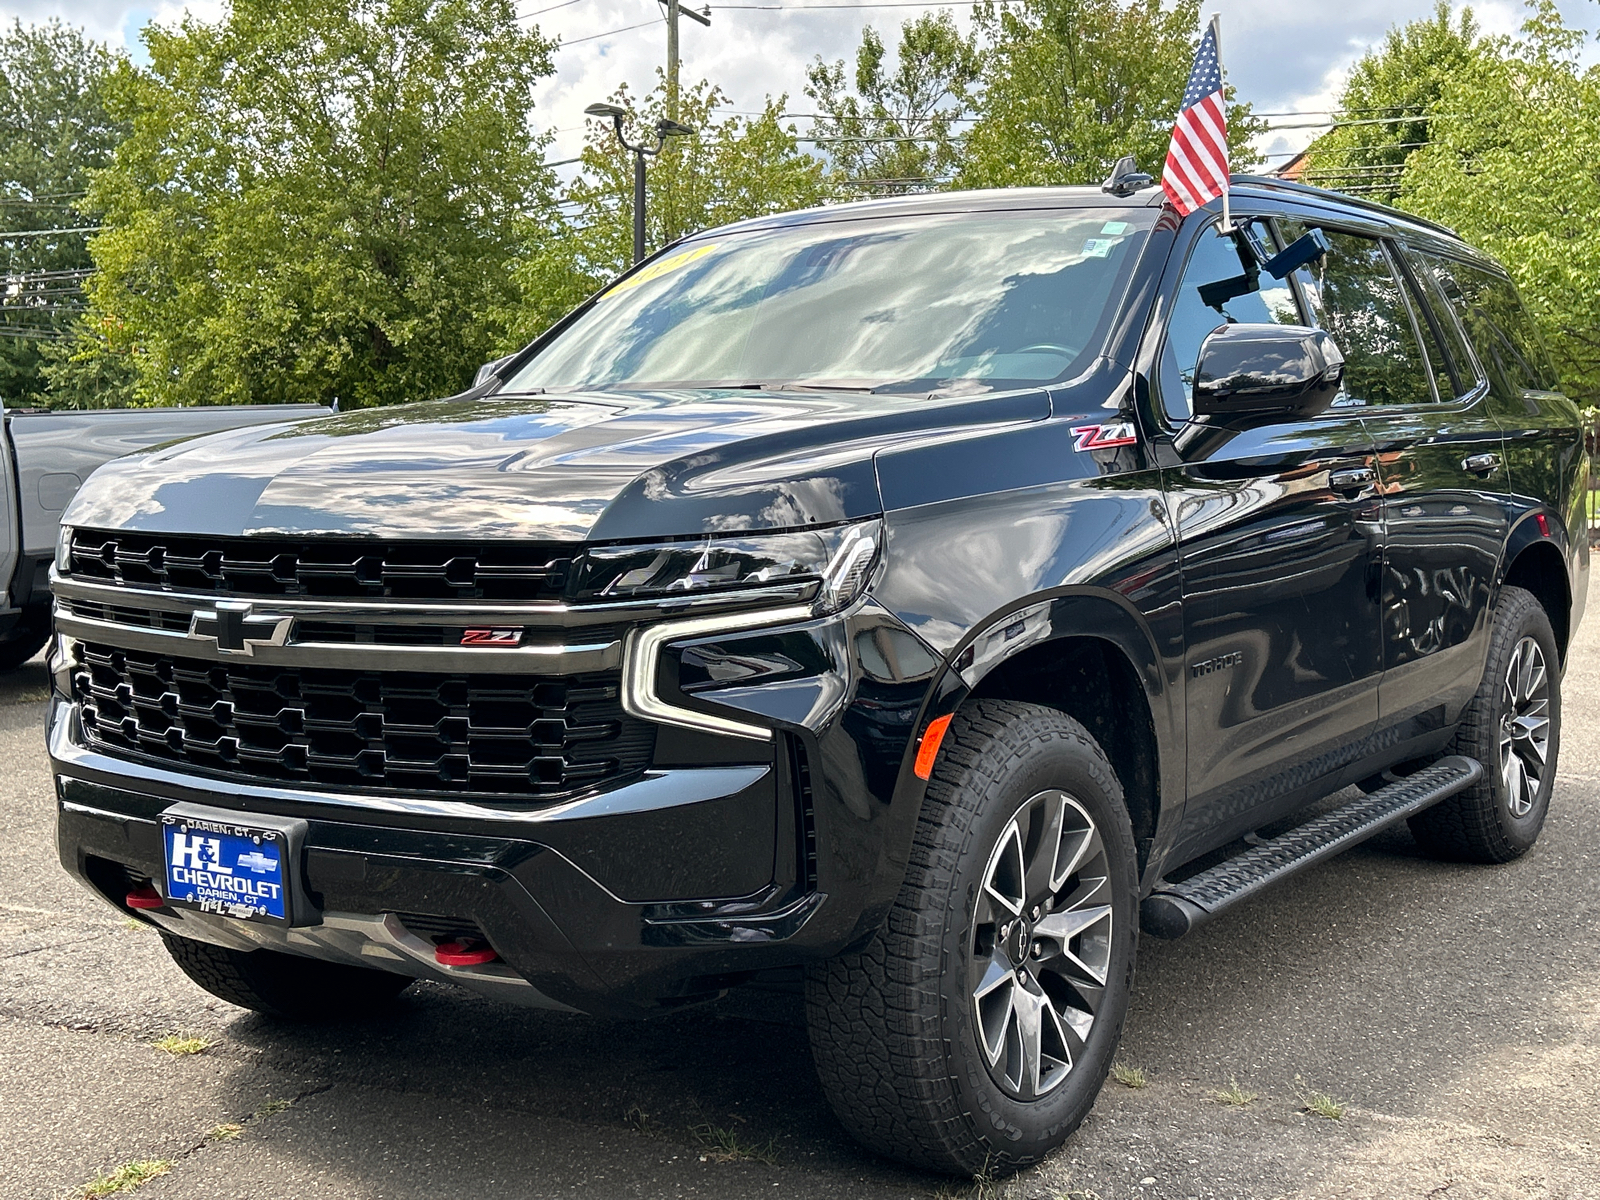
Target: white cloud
x=1282, y=57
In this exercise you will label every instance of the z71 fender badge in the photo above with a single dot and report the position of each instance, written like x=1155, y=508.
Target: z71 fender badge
x=1096, y=437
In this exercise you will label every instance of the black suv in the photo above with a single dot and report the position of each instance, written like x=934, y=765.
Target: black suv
x=924, y=593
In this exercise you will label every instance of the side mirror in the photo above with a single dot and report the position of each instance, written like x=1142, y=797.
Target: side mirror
x=488, y=369
x=1272, y=372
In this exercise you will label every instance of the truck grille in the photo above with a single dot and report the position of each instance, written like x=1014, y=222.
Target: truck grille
x=505, y=735
x=363, y=570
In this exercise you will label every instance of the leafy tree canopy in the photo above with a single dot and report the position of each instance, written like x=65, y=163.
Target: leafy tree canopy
x=318, y=200
x=1070, y=86
x=1513, y=171
x=55, y=130
x=899, y=129
x=1389, y=100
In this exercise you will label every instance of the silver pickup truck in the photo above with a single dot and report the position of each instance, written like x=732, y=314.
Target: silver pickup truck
x=44, y=458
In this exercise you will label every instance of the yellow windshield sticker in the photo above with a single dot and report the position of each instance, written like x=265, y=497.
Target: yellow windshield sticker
x=664, y=266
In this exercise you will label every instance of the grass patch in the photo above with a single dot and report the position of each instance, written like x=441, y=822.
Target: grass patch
x=1129, y=1077
x=224, y=1133
x=1235, y=1096
x=178, y=1047
x=642, y=1121
x=1320, y=1104
x=125, y=1178
x=133, y=924
x=726, y=1146
x=271, y=1109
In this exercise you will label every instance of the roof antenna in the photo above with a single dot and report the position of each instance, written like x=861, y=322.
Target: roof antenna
x=1126, y=178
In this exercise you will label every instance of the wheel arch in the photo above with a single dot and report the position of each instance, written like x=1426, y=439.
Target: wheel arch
x=1092, y=680
x=1534, y=562
x=1090, y=655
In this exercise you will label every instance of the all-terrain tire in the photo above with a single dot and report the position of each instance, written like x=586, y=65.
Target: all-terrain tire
x=1479, y=824
x=895, y=1032
x=285, y=985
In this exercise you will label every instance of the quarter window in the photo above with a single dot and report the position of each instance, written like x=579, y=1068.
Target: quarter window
x=1358, y=299
x=1498, y=325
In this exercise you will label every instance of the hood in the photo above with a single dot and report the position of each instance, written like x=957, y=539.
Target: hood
x=596, y=466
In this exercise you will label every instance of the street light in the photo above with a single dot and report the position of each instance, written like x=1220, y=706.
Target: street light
x=664, y=130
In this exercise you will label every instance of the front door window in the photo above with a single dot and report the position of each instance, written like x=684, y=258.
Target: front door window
x=1215, y=257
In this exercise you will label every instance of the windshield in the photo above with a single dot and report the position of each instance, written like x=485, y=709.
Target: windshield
x=985, y=300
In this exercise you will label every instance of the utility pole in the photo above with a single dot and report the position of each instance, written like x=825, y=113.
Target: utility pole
x=673, y=9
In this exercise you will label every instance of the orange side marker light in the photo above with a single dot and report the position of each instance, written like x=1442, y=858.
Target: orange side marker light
x=929, y=749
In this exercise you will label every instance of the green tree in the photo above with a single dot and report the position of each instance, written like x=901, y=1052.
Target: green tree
x=1514, y=171
x=734, y=168
x=55, y=130
x=317, y=200
x=898, y=129
x=1389, y=101
x=1072, y=85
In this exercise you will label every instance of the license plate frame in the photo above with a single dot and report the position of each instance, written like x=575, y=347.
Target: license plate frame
x=239, y=865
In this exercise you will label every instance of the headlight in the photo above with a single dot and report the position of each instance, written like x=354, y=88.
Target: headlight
x=63, y=549
x=832, y=564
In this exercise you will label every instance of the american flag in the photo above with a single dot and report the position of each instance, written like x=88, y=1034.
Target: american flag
x=1197, y=159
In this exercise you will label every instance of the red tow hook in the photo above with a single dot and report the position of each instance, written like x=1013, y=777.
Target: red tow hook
x=144, y=896
x=464, y=954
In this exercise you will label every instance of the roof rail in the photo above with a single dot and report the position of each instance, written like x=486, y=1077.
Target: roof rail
x=1273, y=183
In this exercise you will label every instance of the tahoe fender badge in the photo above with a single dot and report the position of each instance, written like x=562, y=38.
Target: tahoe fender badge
x=491, y=637
x=1096, y=437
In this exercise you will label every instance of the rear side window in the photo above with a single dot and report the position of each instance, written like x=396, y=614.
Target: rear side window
x=1463, y=376
x=1358, y=299
x=1500, y=329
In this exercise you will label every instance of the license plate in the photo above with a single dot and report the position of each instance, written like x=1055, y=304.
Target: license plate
x=230, y=868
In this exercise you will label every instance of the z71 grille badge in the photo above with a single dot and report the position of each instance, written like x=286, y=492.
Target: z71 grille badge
x=491, y=637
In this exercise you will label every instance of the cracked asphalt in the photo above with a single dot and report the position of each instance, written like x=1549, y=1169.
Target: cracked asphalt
x=1454, y=1010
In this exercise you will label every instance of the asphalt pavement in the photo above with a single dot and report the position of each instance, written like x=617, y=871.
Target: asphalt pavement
x=1452, y=1011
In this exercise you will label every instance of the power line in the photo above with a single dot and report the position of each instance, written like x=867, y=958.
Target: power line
x=550, y=8
x=21, y=233
x=609, y=33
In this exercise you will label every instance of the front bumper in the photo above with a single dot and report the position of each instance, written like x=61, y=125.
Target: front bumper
x=727, y=856
x=564, y=894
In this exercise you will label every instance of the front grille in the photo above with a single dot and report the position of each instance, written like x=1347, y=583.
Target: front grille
x=505, y=735
x=358, y=570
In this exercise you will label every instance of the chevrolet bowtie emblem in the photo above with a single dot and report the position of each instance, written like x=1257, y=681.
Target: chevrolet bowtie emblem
x=238, y=629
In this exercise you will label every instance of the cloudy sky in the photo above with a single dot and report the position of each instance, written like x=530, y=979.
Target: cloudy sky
x=1283, y=56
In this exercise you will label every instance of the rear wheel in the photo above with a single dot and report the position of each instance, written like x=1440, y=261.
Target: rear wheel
x=1513, y=727
x=972, y=1034
x=285, y=985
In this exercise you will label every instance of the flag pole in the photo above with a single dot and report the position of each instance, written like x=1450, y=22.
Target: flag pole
x=1227, y=183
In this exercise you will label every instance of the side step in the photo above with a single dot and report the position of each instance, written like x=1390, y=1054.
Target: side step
x=1174, y=909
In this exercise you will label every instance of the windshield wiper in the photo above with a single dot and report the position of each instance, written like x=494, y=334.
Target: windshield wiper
x=806, y=385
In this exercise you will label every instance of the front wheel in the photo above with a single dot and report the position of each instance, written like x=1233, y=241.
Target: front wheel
x=285, y=985
x=972, y=1034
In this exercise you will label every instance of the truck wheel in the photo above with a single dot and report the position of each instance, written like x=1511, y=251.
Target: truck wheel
x=284, y=985
x=972, y=1034
x=1513, y=727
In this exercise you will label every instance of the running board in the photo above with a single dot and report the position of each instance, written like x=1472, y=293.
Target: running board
x=1174, y=909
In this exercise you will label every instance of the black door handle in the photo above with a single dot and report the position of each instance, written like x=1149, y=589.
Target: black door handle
x=1481, y=464
x=1351, y=479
